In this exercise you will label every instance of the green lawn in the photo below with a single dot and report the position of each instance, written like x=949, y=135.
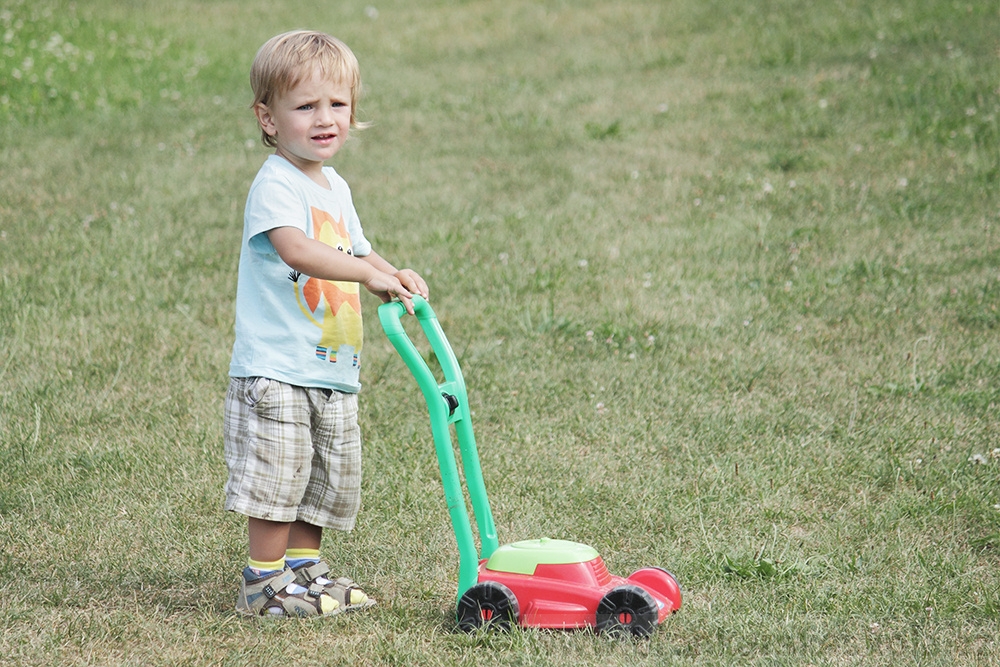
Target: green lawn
x=723, y=278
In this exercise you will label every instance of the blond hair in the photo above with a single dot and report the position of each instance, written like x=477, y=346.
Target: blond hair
x=286, y=59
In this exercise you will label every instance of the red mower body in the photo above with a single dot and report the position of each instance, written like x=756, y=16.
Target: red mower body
x=558, y=584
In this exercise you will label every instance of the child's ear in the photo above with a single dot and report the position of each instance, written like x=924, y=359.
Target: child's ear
x=264, y=119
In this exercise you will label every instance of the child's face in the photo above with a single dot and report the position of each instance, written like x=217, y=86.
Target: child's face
x=310, y=122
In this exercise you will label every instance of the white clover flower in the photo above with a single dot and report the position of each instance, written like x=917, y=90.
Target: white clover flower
x=977, y=459
x=995, y=454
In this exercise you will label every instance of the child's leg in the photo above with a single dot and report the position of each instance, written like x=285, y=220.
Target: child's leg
x=302, y=535
x=268, y=539
x=332, y=497
x=266, y=445
x=303, y=545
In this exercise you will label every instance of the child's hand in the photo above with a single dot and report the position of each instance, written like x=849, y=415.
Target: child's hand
x=387, y=288
x=412, y=281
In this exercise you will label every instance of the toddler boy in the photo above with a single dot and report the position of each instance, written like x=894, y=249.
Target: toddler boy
x=292, y=442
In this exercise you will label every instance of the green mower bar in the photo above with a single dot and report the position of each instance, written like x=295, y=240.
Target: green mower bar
x=448, y=404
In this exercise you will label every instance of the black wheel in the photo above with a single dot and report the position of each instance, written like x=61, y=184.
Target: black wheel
x=627, y=610
x=487, y=605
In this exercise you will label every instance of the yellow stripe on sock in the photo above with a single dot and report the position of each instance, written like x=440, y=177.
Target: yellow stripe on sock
x=296, y=554
x=264, y=565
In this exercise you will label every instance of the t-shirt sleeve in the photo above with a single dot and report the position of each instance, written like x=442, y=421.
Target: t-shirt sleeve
x=272, y=203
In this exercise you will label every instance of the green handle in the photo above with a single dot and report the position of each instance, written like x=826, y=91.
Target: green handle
x=444, y=413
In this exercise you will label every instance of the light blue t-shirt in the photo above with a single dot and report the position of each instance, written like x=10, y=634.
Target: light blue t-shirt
x=292, y=327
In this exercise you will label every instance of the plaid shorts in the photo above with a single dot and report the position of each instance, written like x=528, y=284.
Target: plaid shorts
x=293, y=453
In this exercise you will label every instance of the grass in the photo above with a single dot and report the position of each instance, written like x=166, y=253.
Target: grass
x=722, y=278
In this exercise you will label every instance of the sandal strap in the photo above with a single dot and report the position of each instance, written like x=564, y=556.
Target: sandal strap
x=302, y=605
x=277, y=584
x=342, y=591
x=347, y=583
x=312, y=571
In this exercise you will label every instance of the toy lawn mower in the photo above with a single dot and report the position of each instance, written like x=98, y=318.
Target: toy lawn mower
x=543, y=583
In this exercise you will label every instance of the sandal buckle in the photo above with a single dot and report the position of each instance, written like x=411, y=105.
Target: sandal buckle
x=269, y=592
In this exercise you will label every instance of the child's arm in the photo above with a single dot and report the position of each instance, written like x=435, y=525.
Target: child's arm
x=409, y=278
x=319, y=260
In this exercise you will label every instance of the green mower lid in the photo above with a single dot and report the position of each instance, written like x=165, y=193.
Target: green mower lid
x=523, y=557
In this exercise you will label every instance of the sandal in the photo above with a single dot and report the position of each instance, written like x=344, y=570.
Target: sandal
x=343, y=590
x=269, y=596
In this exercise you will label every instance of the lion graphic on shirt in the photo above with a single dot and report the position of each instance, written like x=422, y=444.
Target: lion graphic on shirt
x=333, y=306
